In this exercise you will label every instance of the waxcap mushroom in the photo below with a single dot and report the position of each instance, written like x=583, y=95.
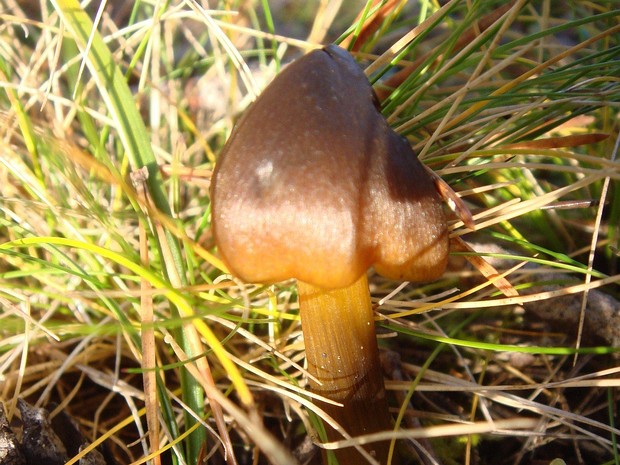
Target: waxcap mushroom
x=313, y=184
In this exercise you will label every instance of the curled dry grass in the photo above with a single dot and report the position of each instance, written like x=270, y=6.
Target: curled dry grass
x=116, y=307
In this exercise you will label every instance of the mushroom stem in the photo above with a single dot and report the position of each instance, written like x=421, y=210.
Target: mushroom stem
x=342, y=353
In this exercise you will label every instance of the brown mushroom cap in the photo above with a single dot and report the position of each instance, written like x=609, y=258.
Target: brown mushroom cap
x=313, y=184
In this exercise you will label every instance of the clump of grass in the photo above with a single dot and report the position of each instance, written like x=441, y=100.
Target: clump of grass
x=116, y=307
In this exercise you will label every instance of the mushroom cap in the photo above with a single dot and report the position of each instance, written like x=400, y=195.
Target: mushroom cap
x=313, y=184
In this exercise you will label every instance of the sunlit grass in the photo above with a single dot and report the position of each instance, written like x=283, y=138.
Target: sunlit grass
x=116, y=306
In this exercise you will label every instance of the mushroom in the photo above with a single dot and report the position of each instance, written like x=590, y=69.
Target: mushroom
x=314, y=185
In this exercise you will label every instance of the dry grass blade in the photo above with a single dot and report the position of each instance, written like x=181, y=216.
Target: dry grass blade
x=467, y=38
x=149, y=361
x=484, y=267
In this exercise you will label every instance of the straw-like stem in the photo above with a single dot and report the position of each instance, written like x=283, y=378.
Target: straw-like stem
x=342, y=353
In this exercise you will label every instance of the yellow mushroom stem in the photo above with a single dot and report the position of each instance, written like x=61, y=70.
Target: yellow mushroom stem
x=342, y=353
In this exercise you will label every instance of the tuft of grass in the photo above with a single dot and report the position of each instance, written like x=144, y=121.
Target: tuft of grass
x=115, y=305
